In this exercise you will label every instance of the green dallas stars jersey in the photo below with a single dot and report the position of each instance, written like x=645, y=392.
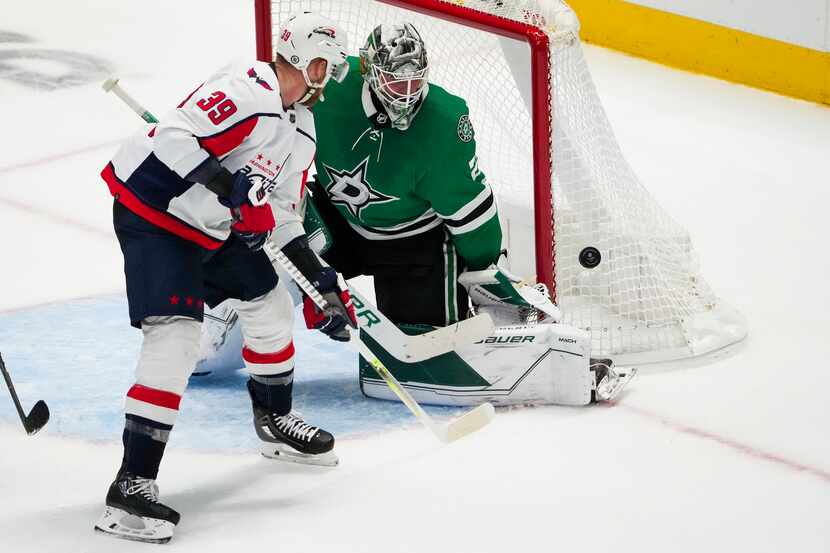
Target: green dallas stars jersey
x=393, y=184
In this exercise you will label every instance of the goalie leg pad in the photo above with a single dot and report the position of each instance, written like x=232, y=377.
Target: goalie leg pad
x=533, y=364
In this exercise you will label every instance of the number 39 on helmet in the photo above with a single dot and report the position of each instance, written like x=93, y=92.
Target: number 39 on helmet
x=307, y=36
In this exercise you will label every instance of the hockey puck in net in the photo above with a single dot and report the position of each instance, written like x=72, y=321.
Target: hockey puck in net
x=589, y=257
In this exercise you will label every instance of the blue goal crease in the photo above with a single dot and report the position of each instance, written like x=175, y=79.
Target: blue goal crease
x=80, y=357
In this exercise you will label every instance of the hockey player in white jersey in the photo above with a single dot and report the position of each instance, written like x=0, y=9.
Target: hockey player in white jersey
x=196, y=197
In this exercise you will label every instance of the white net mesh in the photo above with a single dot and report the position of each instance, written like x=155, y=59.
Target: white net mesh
x=645, y=300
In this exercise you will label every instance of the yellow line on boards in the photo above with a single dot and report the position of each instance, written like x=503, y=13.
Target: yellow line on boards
x=707, y=48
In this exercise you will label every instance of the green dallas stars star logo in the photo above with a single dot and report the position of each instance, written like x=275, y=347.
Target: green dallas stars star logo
x=351, y=189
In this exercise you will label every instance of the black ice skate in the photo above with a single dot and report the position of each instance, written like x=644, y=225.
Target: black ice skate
x=133, y=511
x=609, y=381
x=290, y=438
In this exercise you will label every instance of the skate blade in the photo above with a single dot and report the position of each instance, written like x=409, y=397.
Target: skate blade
x=610, y=388
x=288, y=454
x=121, y=524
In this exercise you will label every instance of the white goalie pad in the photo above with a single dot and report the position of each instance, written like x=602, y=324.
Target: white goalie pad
x=220, y=350
x=526, y=364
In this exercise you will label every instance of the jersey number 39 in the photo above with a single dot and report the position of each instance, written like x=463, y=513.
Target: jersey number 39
x=218, y=107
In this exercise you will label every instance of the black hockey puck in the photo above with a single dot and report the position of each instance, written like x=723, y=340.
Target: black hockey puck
x=589, y=257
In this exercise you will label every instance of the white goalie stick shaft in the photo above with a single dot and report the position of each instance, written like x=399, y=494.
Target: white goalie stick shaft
x=404, y=347
x=467, y=423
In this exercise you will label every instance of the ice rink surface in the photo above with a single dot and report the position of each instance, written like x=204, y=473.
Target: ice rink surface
x=730, y=455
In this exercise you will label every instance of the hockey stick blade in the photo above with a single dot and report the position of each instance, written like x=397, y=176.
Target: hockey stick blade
x=467, y=423
x=37, y=417
x=471, y=421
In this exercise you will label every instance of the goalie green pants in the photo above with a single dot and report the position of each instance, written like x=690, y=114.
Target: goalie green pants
x=416, y=278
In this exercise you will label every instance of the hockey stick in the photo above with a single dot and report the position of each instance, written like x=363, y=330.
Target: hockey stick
x=409, y=349
x=469, y=422
x=406, y=348
x=37, y=417
x=111, y=85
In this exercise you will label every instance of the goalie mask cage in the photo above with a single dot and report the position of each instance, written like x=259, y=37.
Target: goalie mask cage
x=562, y=184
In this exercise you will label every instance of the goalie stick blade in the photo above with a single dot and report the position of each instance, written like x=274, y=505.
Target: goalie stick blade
x=37, y=417
x=449, y=338
x=471, y=421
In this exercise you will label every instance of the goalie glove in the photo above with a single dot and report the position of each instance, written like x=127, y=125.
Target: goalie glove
x=496, y=290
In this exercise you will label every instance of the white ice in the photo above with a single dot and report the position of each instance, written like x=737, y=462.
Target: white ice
x=733, y=455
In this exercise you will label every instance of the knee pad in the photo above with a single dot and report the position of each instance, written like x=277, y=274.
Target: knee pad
x=168, y=355
x=267, y=323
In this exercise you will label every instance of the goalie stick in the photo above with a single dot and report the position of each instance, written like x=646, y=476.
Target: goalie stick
x=37, y=417
x=469, y=422
x=407, y=348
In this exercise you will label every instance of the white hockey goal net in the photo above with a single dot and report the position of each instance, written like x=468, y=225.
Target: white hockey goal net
x=564, y=189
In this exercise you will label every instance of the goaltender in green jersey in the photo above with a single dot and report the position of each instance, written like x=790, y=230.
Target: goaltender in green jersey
x=403, y=196
x=399, y=195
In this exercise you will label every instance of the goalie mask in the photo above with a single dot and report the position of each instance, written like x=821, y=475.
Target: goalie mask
x=394, y=64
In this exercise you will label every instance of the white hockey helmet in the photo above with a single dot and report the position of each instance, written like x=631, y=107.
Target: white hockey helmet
x=306, y=36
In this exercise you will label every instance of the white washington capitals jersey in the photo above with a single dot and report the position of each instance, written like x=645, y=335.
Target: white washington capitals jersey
x=236, y=117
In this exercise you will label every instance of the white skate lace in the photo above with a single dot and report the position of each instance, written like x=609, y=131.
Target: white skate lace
x=294, y=426
x=147, y=488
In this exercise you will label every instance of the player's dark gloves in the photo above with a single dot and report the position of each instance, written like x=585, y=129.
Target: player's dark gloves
x=232, y=189
x=253, y=224
x=340, y=313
